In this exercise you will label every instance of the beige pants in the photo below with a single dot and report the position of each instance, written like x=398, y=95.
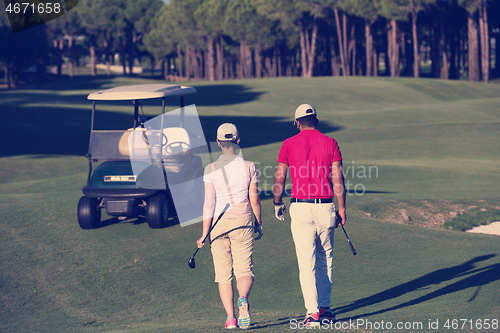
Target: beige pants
x=232, y=248
x=313, y=228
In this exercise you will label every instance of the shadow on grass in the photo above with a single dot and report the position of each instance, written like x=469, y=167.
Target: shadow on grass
x=47, y=131
x=222, y=94
x=135, y=221
x=269, y=194
x=277, y=322
x=471, y=277
x=41, y=123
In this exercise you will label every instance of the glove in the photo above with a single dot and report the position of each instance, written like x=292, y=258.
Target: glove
x=257, y=228
x=279, y=211
x=338, y=219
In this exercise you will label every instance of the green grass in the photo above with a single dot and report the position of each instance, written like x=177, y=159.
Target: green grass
x=474, y=219
x=428, y=142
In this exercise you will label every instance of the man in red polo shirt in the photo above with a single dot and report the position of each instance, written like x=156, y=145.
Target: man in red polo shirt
x=315, y=165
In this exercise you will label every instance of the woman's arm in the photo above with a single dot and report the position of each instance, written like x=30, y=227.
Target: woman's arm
x=208, y=211
x=253, y=193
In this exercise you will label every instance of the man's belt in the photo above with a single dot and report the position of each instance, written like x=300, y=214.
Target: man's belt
x=315, y=201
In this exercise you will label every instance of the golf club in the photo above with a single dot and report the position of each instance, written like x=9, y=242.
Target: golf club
x=348, y=240
x=191, y=260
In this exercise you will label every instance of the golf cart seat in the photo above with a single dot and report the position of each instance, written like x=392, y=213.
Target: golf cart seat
x=141, y=143
x=177, y=152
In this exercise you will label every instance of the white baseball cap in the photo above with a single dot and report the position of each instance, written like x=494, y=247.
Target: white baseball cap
x=304, y=110
x=227, y=132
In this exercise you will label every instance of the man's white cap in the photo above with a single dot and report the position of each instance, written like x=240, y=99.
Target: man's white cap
x=227, y=132
x=304, y=110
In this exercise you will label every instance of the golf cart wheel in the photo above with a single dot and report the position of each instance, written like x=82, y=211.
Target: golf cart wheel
x=89, y=213
x=157, y=211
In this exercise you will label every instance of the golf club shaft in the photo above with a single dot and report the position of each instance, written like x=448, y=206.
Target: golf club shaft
x=348, y=240
x=213, y=225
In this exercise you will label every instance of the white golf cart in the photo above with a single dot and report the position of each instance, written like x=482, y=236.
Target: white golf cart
x=135, y=163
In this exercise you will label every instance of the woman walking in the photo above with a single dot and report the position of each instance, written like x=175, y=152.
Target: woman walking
x=231, y=179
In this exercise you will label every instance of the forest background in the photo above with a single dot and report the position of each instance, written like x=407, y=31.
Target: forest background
x=229, y=39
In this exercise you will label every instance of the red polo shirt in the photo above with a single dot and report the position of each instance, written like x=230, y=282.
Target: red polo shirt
x=309, y=156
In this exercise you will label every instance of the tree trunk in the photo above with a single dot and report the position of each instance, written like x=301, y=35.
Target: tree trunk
x=131, y=55
x=122, y=53
x=201, y=59
x=274, y=64
x=153, y=64
x=107, y=55
x=220, y=60
x=311, y=52
x=344, y=41
x=485, y=45
x=196, y=63
x=369, y=47
x=352, y=50
x=388, y=65
x=192, y=62
x=445, y=61
x=7, y=75
x=403, y=60
x=393, y=48
x=267, y=66
x=416, y=53
x=245, y=61
x=163, y=69
x=180, y=66
x=258, y=62
x=71, y=58
x=308, y=48
x=229, y=66
x=92, y=60
x=124, y=64
x=58, y=47
x=341, y=44
x=334, y=62
x=443, y=48
x=473, y=47
x=277, y=56
x=303, y=53
x=248, y=62
x=241, y=61
x=108, y=66
x=454, y=53
x=288, y=64
x=497, y=54
x=210, y=60
x=187, y=61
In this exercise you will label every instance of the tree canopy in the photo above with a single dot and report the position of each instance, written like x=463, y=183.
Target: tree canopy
x=224, y=39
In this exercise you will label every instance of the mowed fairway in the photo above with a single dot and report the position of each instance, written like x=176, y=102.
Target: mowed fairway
x=415, y=142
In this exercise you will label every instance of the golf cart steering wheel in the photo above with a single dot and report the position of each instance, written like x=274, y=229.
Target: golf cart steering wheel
x=176, y=147
x=145, y=138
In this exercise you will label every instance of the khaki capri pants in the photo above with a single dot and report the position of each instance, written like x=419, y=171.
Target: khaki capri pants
x=232, y=248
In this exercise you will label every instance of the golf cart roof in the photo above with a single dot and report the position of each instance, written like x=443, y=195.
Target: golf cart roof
x=140, y=91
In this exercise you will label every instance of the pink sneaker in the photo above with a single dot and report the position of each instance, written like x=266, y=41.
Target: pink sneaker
x=312, y=320
x=230, y=323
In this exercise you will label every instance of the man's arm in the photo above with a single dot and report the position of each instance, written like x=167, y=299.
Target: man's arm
x=279, y=181
x=278, y=187
x=339, y=189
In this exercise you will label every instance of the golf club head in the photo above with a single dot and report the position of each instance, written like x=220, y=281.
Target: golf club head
x=191, y=260
x=349, y=240
x=191, y=263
